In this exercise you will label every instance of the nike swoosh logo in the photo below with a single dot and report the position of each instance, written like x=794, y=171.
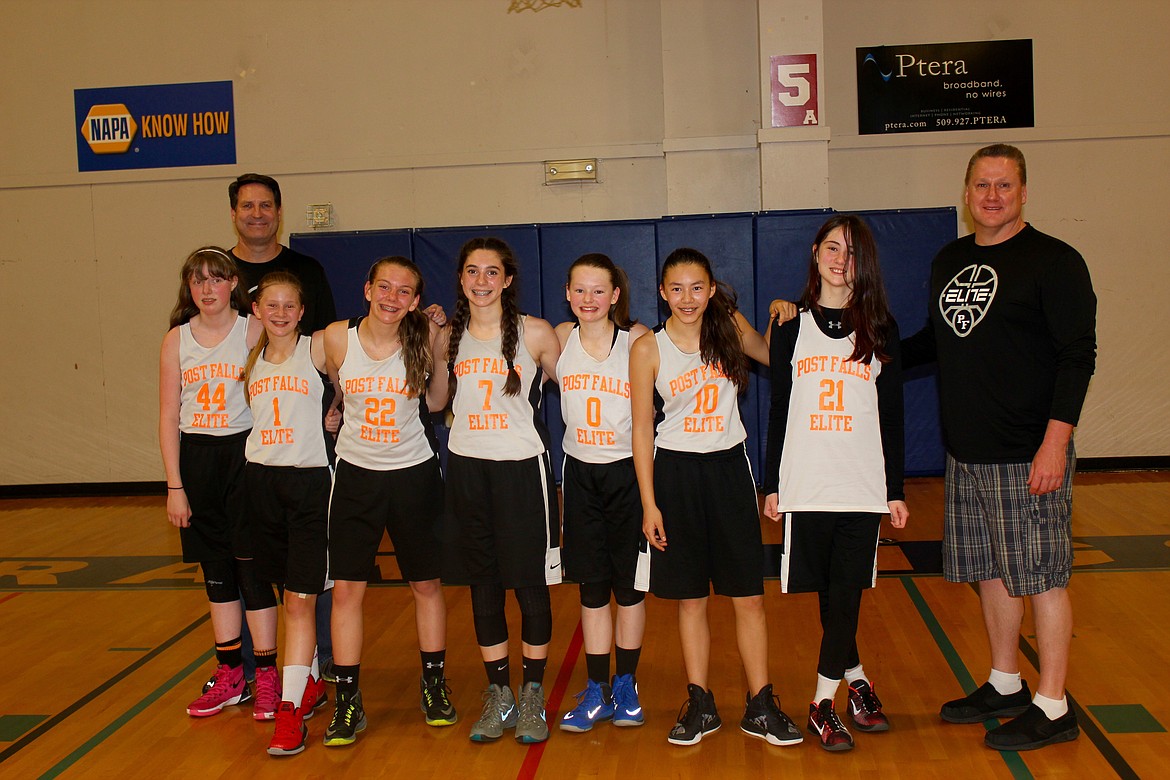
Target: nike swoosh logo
x=508, y=713
x=633, y=712
x=593, y=712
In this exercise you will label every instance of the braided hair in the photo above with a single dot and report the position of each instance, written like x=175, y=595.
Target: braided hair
x=509, y=319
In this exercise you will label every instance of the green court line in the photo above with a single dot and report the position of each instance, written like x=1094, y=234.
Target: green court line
x=73, y=708
x=1015, y=763
x=126, y=717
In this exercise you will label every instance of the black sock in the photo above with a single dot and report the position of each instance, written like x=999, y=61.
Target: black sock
x=597, y=666
x=347, y=679
x=228, y=653
x=498, y=672
x=433, y=664
x=534, y=669
x=627, y=660
x=265, y=658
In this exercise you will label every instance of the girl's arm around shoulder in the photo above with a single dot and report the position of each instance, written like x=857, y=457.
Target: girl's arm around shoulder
x=336, y=346
x=317, y=350
x=563, y=331
x=437, y=386
x=637, y=331
x=543, y=345
x=317, y=353
x=255, y=328
x=754, y=345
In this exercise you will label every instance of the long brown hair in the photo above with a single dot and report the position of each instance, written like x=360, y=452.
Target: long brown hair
x=868, y=313
x=620, y=311
x=509, y=319
x=413, y=331
x=270, y=280
x=719, y=339
x=219, y=265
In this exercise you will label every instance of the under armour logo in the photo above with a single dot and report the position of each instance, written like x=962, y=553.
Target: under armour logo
x=834, y=326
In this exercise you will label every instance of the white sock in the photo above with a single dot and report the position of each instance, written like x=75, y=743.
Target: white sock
x=855, y=674
x=1053, y=708
x=826, y=689
x=1005, y=683
x=296, y=679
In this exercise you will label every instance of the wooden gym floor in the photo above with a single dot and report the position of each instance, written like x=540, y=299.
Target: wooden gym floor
x=105, y=638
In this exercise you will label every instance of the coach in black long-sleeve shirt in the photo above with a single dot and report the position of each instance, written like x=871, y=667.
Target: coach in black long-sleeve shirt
x=1013, y=328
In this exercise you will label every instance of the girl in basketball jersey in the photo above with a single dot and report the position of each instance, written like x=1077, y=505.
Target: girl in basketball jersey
x=387, y=478
x=203, y=422
x=700, y=512
x=602, y=510
x=835, y=456
x=503, y=529
x=287, y=477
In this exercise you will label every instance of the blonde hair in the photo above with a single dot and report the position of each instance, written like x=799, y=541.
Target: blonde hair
x=270, y=280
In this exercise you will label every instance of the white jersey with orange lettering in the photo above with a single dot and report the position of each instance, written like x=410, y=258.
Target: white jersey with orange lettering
x=212, y=399
x=700, y=405
x=383, y=428
x=287, y=411
x=832, y=459
x=595, y=400
x=488, y=424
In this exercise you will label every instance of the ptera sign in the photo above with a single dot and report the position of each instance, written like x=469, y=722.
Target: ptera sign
x=109, y=129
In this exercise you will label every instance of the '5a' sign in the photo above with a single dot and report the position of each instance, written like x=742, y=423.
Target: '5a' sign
x=794, y=90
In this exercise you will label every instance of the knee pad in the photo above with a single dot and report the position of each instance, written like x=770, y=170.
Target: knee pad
x=594, y=595
x=628, y=597
x=536, y=611
x=257, y=595
x=487, y=610
x=219, y=580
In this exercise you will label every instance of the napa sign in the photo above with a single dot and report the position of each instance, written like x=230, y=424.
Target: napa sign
x=158, y=126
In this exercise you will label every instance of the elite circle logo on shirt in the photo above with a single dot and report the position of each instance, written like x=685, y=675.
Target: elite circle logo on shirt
x=966, y=298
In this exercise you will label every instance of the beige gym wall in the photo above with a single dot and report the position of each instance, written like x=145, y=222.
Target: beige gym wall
x=411, y=113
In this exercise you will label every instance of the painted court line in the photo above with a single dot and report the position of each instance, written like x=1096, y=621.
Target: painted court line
x=1088, y=726
x=52, y=722
x=126, y=717
x=553, y=705
x=1014, y=763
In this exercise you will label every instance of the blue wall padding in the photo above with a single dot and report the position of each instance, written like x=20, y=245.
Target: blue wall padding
x=347, y=258
x=762, y=256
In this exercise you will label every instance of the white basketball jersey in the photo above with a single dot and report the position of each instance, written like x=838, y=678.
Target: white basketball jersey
x=595, y=400
x=699, y=403
x=287, y=412
x=383, y=429
x=832, y=459
x=212, y=399
x=488, y=424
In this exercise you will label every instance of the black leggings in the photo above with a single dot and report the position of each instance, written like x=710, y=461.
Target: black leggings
x=840, y=608
x=491, y=624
